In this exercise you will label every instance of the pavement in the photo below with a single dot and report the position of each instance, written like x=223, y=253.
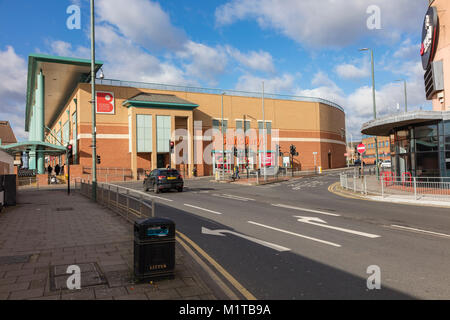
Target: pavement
x=398, y=197
x=48, y=231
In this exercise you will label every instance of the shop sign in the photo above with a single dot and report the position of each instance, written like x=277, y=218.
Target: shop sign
x=429, y=37
x=105, y=102
x=267, y=160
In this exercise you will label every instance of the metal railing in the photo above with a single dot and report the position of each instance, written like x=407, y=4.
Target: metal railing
x=406, y=186
x=166, y=87
x=130, y=204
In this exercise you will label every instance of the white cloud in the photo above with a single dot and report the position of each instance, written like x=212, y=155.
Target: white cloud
x=204, y=62
x=350, y=71
x=358, y=104
x=127, y=61
x=142, y=21
x=13, y=79
x=407, y=50
x=258, y=61
x=326, y=23
x=281, y=84
x=64, y=49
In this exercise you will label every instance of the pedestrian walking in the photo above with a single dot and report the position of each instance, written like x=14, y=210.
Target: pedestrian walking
x=57, y=169
x=49, y=170
x=236, y=172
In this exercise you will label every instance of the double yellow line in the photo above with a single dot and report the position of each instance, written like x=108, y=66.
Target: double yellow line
x=190, y=246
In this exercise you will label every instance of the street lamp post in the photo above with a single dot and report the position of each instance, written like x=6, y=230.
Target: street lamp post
x=374, y=106
x=264, y=136
x=223, y=145
x=406, y=93
x=94, y=129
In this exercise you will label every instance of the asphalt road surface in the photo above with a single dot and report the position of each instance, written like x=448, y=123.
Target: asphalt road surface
x=296, y=240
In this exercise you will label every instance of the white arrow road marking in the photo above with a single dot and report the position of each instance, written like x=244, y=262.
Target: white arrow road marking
x=199, y=208
x=261, y=242
x=320, y=223
x=306, y=210
x=296, y=234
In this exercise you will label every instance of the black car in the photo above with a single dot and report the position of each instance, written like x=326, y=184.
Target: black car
x=163, y=179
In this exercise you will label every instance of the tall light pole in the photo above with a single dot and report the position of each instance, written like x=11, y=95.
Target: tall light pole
x=406, y=93
x=374, y=106
x=94, y=125
x=223, y=144
x=264, y=135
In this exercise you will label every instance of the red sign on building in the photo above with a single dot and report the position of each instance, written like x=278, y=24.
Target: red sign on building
x=105, y=102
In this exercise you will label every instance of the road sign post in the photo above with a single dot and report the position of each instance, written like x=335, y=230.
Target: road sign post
x=361, y=149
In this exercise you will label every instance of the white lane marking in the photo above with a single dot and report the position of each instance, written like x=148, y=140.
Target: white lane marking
x=296, y=234
x=320, y=223
x=307, y=210
x=421, y=231
x=261, y=242
x=233, y=197
x=199, y=208
x=139, y=192
x=238, y=197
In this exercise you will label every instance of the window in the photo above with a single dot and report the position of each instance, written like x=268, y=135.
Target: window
x=144, y=133
x=426, y=131
x=129, y=133
x=239, y=124
x=247, y=125
x=268, y=127
x=218, y=125
x=426, y=144
x=66, y=133
x=59, y=136
x=447, y=128
x=163, y=133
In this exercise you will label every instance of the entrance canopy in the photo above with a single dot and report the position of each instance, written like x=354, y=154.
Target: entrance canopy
x=62, y=75
x=35, y=146
x=384, y=126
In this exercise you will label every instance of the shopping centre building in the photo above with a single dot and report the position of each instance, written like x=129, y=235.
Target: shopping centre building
x=420, y=140
x=137, y=122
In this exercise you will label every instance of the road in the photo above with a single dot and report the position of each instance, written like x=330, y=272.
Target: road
x=296, y=240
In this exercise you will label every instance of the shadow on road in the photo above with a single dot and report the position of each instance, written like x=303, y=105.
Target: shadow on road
x=269, y=274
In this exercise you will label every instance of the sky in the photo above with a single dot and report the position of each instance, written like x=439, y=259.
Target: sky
x=297, y=47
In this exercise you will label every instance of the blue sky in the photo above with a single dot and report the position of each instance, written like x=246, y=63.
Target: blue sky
x=298, y=47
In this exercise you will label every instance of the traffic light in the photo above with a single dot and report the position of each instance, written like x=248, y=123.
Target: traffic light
x=279, y=150
x=235, y=151
x=98, y=159
x=171, y=146
x=69, y=152
x=293, y=150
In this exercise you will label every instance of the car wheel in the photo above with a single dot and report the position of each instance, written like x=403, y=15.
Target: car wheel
x=180, y=189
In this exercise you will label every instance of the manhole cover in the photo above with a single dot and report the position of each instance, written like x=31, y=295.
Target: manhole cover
x=15, y=259
x=91, y=275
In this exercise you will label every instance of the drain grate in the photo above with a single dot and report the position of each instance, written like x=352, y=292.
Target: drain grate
x=15, y=259
x=91, y=275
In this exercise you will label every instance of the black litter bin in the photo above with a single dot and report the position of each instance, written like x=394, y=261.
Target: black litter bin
x=154, y=249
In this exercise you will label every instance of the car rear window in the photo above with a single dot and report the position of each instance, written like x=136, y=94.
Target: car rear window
x=169, y=173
